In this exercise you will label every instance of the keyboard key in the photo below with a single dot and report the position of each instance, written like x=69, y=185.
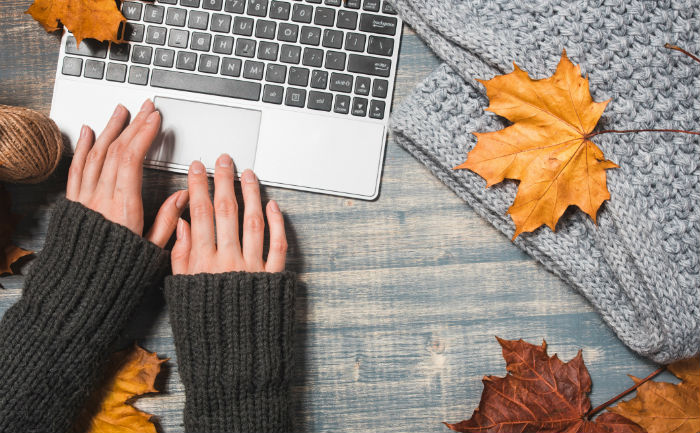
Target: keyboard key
x=167, y=2
x=119, y=52
x=265, y=29
x=141, y=54
x=133, y=32
x=257, y=8
x=243, y=26
x=276, y=73
x=138, y=75
x=379, y=88
x=378, y=24
x=333, y=2
x=208, y=64
x=72, y=66
x=321, y=101
x=319, y=79
x=347, y=19
x=280, y=10
x=287, y=32
x=212, y=5
x=164, y=57
x=314, y=1
x=198, y=20
x=223, y=44
x=301, y=13
x=295, y=97
x=310, y=35
x=253, y=70
x=298, y=76
x=272, y=94
x=354, y=42
x=369, y=65
x=371, y=5
x=245, y=48
x=341, y=82
x=88, y=47
x=186, y=60
x=267, y=50
x=175, y=17
x=234, y=6
x=380, y=45
x=335, y=60
x=178, y=38
x=362, y=85
x=116, y=72
x=352, y=4
x=342, y=103
x=376, y=109
x=205, y=84
x=200, y=41
x=190, y=3
x=332, y=38
x=155, y=35
x=324, y=16
x=231, y=67
x=388, y=8
x=220, y=23
x=312, y=57
x=154, y=14
x=131, y=11
x=359, y=107
x=290, y=54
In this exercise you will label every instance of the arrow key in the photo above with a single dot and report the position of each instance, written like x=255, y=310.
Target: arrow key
x=359, y=107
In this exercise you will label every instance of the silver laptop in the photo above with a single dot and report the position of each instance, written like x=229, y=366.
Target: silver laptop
x=298, y=91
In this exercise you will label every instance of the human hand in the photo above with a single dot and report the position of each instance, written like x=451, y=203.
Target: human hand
x=106, y=174
x=199, y=249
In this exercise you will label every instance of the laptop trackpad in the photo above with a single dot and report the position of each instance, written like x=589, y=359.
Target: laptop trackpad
x=199, y=131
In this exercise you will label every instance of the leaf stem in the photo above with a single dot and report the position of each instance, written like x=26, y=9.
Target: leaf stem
x=677, y=48
x=591, y=413
x=627, y=131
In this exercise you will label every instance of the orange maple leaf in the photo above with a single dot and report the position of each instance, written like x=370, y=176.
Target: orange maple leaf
x=95, y=19
x=130, y=373
x=548, y=147
x=9, y=253
x=662, y=407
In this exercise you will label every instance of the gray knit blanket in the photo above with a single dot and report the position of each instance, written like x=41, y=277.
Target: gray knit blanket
x=640, y=265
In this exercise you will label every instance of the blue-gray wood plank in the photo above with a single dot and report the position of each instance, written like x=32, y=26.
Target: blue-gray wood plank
x=400, y=298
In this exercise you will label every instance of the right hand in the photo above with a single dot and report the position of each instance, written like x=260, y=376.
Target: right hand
x=200, y=250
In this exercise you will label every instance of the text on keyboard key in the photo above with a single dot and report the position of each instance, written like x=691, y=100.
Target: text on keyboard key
x=72, y=66
x=133, y=32
x=380, y=45
x=175, y=17
x=265, y=29
x=272, y=94
x=376, y=109
x=355, y=42
x=208, y=85
x=220, y=23
x=342, y=104
x=371, y=5
x=119, y=52
x=332, y=38
x=208, y=64
x=295, y=97
x=359, y=107
x=320, y=100
x=245, y=47
x=276, y=73
x=198, y=20
x=253, y=70
x=186, y=60
x=378, y=24
x=290, y=54
x=178, y=38
x=301, y=13
x=155, y=35
x=164, y=57
x=141, y=54
x=310, y=35
x=257, y=8
x=154, y=14
x=267, y=50
x=243, y=26
x=280, y=10
x=223, y=44
x=335, y=60
x=319, y=79
x=231, y=67
x=298, y=76
x=369, y=65
x=312, y=57
x=131, y=10
x=138, y=75
x=324, y=16
x=234, y=6
x=287, y=32
x=362, y=85
x=200, y=41
x=213, y=5
x=379, y=88
x=341, y=82
x=347, y=19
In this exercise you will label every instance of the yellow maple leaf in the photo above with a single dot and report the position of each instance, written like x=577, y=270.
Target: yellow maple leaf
x=95, y=19
x=548, y=147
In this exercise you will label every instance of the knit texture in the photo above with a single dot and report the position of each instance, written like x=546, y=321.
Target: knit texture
x=640, y=266
x=78, y=295
x=233, y=335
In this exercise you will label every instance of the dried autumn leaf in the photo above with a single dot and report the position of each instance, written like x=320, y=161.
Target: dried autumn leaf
x=662, y=407
x=95, y=19
x=548, y=147
x=130, y=373
x=9, y=253
x=540, y=394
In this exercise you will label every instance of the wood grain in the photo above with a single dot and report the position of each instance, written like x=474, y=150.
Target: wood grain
x=400, y=298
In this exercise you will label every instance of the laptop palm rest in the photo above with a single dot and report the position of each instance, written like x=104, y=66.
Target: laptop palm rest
x=198, y=131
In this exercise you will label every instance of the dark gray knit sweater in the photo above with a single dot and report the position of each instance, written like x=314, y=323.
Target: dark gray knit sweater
x=233, y=332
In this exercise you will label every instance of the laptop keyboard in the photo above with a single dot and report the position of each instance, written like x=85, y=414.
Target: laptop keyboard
x=325, y=55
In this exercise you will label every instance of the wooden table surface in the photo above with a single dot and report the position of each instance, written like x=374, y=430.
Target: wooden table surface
x=400, y=298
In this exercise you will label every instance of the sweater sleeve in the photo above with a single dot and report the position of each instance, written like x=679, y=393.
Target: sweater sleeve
x=233, y=335
x=78, y=295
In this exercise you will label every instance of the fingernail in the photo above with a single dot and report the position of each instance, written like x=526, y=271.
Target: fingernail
x=84, y=130
x=144, y=105
x=117, y=110
x=182, y=199
x=248, y=176
x=180, y=232
x=197, y=167
x=273, y=206
x=152, y=117
x=224, y=160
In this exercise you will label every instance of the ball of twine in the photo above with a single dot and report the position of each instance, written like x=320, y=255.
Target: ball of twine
x=30, y=145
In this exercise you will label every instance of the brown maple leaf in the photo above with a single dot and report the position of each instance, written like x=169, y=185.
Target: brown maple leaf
x=9, y=253
x=130, y=373
x=662, y=407
x=548, y=147
x=95, y=19
x=540, y=394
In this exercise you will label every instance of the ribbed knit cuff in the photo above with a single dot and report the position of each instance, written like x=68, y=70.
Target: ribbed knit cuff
x=78, y=295
x=233, y=335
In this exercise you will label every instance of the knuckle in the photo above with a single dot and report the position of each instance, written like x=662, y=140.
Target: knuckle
x=226, y=207
x=94, y=156
x=127, y=157
x=254, y=223
x=279, y=246
x=200, y=209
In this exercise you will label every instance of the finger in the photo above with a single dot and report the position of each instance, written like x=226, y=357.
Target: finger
x=226, y=210
x=130, y=160
x=75, y=173
x=200, y=210
x=278, y=239
x=180, y=255
x=96, y=155
x=253, y=223
x=167, y=218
